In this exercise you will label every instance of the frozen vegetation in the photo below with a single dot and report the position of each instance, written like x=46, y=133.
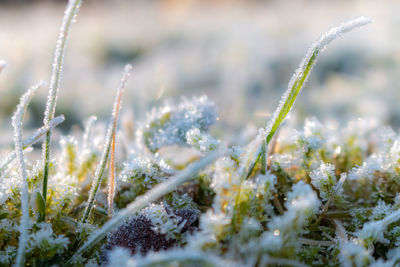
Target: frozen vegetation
x=322, y=195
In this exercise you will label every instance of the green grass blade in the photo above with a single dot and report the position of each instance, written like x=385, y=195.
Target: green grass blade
x=298, y=81
x=68, y=19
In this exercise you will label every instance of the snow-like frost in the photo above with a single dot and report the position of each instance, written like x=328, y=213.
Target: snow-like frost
x=69, y=18
x=33, y=139
x=151, y=196
x=17, y=125
x=170, y=124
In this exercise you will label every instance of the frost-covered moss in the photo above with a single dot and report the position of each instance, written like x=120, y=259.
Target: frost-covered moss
x=312, y=196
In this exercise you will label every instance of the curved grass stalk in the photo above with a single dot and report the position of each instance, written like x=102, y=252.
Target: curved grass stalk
x=152, y=195
x=32, y=139
x=17, y=125
x=258, y=149
x=296, y=83
x=68, y=19
x=107, y=145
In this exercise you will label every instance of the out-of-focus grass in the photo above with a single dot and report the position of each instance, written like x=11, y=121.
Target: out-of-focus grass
x=239, y=53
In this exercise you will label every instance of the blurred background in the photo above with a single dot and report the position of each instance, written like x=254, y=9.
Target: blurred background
x=239, y=53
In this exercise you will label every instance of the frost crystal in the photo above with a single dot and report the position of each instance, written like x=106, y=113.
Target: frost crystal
x=46, y=242
x=374, y=230
x=144, y=172
x=170, y=124
x=7, y=256
x=69, y=155
x=163, y=222
x=324, y=180
x=7, y=187
x=226, y=182
x=69, y=17
x=352, y=254
x=119, y=257
x=201, y=141
x=302, y=203
x=156, y=227
x=64, y=189
x=25, y=220
x=33, y=139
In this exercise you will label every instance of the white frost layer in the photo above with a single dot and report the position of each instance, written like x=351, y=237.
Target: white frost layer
x=17, y=125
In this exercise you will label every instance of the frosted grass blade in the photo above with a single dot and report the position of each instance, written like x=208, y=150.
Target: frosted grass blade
x=25, y=220
x=32, y=139
x=298, y=80
x=107, y=145
x=152, y=195
x=68, y=19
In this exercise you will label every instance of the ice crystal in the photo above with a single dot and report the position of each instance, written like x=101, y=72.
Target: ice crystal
x=226, y=182
x=64, y=190
x=7, y=187
x=33, y=139
x=7, y=256
x=69, y=17
x=24, y=194
x=170, y=124
x=352, y=254
x=312, y=137
x=324, y=179
x=157, y=227
x=374, y=230
x=119, y=257
x=69, y=161
x=162, y=221
x=46, y=242
x=201, y=141
x=302, y=203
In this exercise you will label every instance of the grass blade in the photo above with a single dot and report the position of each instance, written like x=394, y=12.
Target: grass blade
x=32, y=139
x=151, y=196
x=17, y=125
x=68, y=19
x=298, y=80
x=107, y=145
x=111, y=179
